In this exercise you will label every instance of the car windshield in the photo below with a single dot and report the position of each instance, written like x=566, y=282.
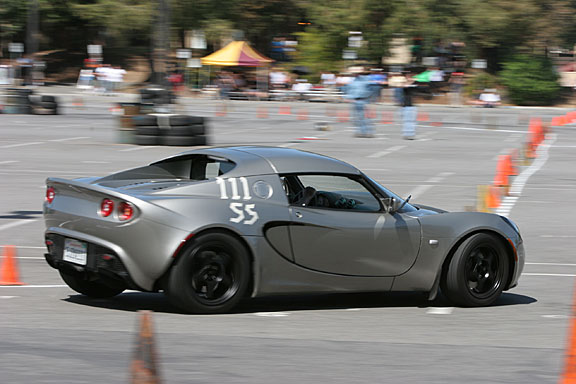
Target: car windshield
x=407, y=207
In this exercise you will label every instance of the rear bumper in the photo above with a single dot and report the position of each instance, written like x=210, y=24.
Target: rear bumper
x=102, y=263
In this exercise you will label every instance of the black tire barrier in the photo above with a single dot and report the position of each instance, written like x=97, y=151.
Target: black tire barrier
x=147, y=140
x=183, y=141
x=157, y=96
x=48, y=99
x=148, y=130
x=191, y=130
x=145, y=120
x=48, y=104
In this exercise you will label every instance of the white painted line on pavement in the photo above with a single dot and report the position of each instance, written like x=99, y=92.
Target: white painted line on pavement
x=8, y=297
x=9, y=162
x=555, y=316
x=476, y=129
x=440, y=311
x=137, y=148
x=34, y=286
x=16, y=224
x=387, y=151
x=272, y=314
x=519, y=183
x=419, y=190
x=564, y=146
x=70, y=138
x=21, y=145
x=549, y=274
x=555, y=264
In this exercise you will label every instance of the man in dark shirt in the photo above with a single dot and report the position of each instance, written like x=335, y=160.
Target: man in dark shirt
x=408, y=109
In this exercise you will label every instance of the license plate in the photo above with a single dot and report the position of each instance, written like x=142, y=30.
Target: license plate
x=75, y=251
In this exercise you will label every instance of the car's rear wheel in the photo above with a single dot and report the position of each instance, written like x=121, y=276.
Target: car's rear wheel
x=211, y=276
x=95, y=289
x=477, y=272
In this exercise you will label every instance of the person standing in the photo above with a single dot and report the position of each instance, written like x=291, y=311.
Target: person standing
x=359, y=92
x=408, y=109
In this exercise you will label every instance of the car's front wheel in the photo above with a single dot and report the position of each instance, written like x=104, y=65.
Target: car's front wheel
x=211, y=276
x=477, y=272
x=95, y=289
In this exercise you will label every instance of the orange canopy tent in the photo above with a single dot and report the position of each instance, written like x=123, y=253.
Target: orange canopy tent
x=237, y=53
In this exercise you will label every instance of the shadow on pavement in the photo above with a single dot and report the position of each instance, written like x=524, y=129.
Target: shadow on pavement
x=157, y=302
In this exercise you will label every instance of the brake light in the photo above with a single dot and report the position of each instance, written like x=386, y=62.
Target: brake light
x=50, y=194
x=125, y=211
x=106, y=207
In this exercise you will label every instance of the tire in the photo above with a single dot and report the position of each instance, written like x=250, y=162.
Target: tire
x=211, y=276
x=477, y=272
x=178, y=121
x=182, y=141
x=146, y=140
x=192, y=130
x=148, y=131
x=49, y=99
x=144, y=120
x=95, y=289
x=48, y=105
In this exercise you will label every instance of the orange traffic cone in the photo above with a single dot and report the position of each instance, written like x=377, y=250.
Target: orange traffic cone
x=370, y=113
x=9, y=271
x=221, y=110
x=501, y=179
x=569, y=374
x=571, y=116
x=303, y=114
x=492, y=197
x=513, y=161
x=284, y=110
x=423, y=117
x=387, y=118
x=556, y=121
x=262, y=113
x=343, y=116
x=143, y=369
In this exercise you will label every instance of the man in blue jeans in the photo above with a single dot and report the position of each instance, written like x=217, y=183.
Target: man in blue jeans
x=359, y=92
x=408, y=109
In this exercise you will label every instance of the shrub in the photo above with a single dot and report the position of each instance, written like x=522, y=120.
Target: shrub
x=531, y=80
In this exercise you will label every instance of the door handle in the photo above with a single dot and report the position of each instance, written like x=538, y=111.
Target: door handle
x=298, y=215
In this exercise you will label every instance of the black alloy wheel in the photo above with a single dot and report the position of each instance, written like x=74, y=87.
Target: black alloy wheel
x=211, y=276
x=477, y=273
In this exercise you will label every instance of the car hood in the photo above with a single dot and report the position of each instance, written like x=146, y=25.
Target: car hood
x=425, y=210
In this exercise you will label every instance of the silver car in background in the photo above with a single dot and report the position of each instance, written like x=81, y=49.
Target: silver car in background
x=211, y=226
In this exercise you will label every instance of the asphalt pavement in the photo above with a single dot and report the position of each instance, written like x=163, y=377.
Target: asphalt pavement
x=48, y=333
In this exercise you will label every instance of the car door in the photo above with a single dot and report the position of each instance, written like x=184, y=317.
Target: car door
x=338, y=226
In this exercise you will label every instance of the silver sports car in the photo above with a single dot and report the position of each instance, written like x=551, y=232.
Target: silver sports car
x=211, y=226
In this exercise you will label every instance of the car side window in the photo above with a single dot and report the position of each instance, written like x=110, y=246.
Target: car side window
x=329, y=191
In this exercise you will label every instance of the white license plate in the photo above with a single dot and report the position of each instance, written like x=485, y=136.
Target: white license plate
x=75, y=251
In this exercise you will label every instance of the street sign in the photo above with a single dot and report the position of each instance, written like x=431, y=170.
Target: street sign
x=94, y=49
x=479, y=64
x=16, y=47
x=349, y=54
x=183, y=54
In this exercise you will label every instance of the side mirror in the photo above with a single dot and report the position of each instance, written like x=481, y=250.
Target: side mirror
x=391, y=205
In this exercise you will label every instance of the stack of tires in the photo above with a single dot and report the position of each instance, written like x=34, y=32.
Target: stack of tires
x=17, y=101
x=173, y=130
x=157, y=96
x=44, y=104
x=126, y=130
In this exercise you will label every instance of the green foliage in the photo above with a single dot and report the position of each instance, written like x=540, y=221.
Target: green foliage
x=530, y=80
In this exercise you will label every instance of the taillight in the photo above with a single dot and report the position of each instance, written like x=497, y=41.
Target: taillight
x=106, y=207
x=125, y=211
x=50, y=194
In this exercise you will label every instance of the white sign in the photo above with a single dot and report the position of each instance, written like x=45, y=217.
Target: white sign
x=94, y=49
x=16, y=47
x=349, y=54
x=194, y=63
x=479, y=64
x=195, y=39
x=183, y=54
